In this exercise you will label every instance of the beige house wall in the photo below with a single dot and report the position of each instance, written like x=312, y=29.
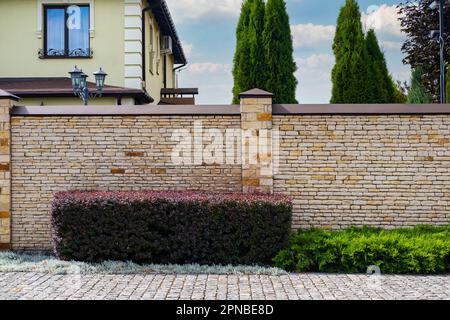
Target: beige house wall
x=154, y=66
x=20, y=58
x=116, y=41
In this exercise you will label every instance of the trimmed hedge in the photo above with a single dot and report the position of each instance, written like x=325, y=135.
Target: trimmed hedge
x=421, y=250
x=170, y=227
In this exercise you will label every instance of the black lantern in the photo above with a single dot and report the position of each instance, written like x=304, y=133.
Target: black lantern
x=83, y=79
x=75, y=75
x=80, y=84
x=100, y=76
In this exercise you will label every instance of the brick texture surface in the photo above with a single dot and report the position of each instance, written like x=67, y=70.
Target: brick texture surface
x=51, y=154
x=387, y=171
x=5, y=175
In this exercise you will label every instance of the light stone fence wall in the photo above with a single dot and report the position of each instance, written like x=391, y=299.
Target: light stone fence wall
x=52, y=154
x=343, y=165
x=379, y=170
x=5, y=175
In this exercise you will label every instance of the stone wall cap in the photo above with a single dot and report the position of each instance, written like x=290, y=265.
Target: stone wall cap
x=360, y=109
x=255, y=93
x=140, y=110
x=6, y=95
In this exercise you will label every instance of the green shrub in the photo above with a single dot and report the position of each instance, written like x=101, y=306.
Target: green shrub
x=421, y=250
x=170, y=227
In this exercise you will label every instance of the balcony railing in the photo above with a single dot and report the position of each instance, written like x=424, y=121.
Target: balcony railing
x=63, y=54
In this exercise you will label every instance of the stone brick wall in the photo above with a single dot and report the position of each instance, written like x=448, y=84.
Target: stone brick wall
x=341, y=168
x=51, y=154
x=5, y=175
x=256, y=124
x=387, y=171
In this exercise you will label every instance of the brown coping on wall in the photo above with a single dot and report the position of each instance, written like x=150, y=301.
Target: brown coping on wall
x=151, y=110
x=359, y=109
x=278, y=109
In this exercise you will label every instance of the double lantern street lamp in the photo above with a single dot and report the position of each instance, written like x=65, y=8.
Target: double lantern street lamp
x=80, y=85
x=440, y=33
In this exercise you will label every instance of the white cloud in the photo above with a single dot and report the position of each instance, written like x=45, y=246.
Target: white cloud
x=187, y=48
x=311, y=35
x=208, y=68
x=194, y=10
x=384, y=20
x=213, y=80
x=314, y=77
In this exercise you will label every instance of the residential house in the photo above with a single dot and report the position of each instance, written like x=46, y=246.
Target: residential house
x=134, y=41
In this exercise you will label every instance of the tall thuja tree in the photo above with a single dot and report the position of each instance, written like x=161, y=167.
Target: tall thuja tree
x=417, y=92
x=381, y=86
x=279, y=53
x=351, y=72
x=257, y=57
x=249, y=58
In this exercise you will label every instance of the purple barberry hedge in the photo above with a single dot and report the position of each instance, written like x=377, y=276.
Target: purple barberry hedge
x=170, y=227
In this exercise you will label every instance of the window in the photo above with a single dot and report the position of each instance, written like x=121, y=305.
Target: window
x=66, y=31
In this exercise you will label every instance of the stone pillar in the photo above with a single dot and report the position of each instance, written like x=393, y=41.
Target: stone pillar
x=256, y=125
x=6, y=103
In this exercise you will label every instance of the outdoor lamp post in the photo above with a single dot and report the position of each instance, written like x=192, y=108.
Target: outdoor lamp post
x=440, y=4
x=80, y=85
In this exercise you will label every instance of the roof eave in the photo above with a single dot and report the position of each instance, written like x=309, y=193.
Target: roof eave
x=166, y=23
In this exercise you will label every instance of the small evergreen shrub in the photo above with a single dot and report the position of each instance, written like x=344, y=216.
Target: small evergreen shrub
x=421, y=250
x=170, y=227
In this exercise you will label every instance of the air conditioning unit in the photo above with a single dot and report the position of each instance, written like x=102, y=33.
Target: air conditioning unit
x=166, y=45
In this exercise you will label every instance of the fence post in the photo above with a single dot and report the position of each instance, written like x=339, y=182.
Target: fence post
x=6, y=103
x=256, y=125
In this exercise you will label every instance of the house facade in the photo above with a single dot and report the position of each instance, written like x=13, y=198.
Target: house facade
x=134, y=41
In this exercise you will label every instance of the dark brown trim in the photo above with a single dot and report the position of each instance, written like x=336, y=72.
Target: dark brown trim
x=360, y=109
x=141, y=98
x=165, y=71
x=185, y=110
x=144, y=110
x=172, y=91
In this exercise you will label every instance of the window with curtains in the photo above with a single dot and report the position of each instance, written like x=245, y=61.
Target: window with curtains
x=66, y=31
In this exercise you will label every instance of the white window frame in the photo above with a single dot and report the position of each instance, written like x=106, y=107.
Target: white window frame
x=40, y=13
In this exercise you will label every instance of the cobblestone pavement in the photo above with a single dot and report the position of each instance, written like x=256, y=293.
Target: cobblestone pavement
x=151, y=286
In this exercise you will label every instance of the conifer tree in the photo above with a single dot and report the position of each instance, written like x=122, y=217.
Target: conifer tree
x=249, y=57
x=382, y=88
x=352, y=69
x=279, y=57
x=417, y=93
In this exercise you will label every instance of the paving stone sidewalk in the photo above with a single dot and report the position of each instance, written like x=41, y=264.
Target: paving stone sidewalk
x=184, y=287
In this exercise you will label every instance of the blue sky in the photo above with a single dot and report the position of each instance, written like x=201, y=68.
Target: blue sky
x=207, y=30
